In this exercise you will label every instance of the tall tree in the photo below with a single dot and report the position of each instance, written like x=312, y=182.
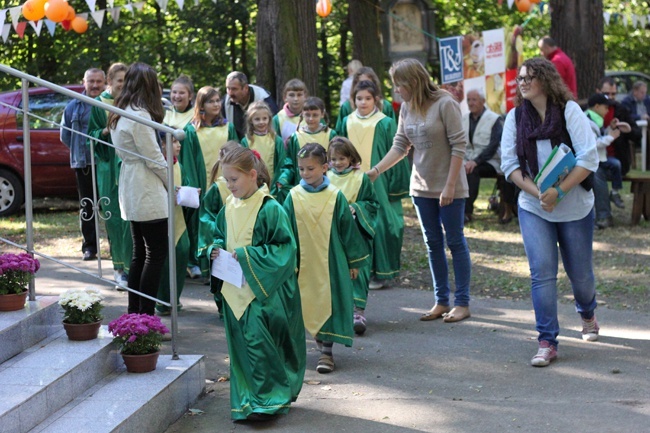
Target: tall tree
x=577, y=27
x=366, y=43
x=286, y=44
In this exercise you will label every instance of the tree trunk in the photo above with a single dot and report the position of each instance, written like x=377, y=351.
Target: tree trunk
x=286, y=46
x=577, y=27
x=366, y=44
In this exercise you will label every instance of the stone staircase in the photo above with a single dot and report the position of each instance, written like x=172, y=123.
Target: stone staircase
x=51, y=384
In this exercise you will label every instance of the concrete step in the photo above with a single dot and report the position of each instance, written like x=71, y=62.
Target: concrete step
x=130, y=402
x=47, y=376
x=20, y=330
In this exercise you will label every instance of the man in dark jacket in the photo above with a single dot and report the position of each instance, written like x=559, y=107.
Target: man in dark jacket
x=75, y=119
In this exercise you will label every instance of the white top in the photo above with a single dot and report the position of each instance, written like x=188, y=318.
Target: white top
x=346, y=87
x=577, y=203
x=142, y=184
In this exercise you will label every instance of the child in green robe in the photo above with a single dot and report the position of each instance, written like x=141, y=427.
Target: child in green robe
x=330, y=252
x=286, y=121
x=262, y=138
x=263, y=322
x=345, y=173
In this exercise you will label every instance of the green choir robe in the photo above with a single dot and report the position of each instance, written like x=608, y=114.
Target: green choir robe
x=360, y=194
x=182, y=246
x=390, y=188
x=302, y=137
x=345, y=250
x=194, y=150
x=267, y=346
x=108, y=174
x=274, y=155
x=284, y=124
x=346, y=109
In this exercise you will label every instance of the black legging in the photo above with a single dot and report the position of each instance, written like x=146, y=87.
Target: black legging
x=150, y=243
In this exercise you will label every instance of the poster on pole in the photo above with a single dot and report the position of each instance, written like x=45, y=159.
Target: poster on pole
x=495, y=59
x=451, y=59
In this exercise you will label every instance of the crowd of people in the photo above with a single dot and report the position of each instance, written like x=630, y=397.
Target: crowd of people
x=313, y=214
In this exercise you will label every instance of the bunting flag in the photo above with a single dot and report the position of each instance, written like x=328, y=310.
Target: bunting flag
x=111, y=3
x=607, y=16
x=510, y=3
x=162, y=4
x=91, y=4
x=3, y=15
x=115, y=14
x=642, y=21
x=634, y=21
x=37, y=26
x=51, y=27
x=129, y=7
x=5, y=32
x=180, y=4
x=20, y=28
x=15, y=14
x=140, y=5
x=83, y=15
x=625, y=20
x=98, y=16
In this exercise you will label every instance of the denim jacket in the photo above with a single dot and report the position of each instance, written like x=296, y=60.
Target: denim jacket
x=76, y=116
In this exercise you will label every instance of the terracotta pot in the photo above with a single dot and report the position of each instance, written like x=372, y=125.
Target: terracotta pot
x=141, y=363
x=82, y=332
x=13, y=302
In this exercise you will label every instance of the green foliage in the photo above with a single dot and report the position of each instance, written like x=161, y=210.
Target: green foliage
x=209, y=40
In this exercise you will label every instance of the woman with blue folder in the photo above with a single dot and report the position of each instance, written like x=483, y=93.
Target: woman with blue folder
x=546, y=117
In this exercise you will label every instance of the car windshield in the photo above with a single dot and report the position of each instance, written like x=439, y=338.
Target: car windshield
x=48, y=107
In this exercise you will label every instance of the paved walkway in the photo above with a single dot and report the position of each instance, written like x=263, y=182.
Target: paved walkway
x=410, y=376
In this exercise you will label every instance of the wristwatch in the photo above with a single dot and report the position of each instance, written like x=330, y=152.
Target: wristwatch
x=560, y=193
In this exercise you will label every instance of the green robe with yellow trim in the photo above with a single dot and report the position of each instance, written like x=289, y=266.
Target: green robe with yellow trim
x=373, y=138
x=182, y=246
x=346, y=110
x=212, y=202
x=298, y=141
x=178, y=119
x=324, y=265
x=108, y=174
x=360, y=194
x=267, y=342
x=274, y=155
x=285, y=125
x=199, y=152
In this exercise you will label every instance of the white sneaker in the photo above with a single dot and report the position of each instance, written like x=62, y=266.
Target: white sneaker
x=121, y=279
x=375, y=284
x=194, y=272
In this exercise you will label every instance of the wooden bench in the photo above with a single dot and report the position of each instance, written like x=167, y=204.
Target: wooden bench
x=640, y=189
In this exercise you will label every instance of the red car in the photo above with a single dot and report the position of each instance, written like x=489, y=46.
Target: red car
x=51, y=172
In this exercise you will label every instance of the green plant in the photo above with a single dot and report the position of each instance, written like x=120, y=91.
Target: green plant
x=82, y=305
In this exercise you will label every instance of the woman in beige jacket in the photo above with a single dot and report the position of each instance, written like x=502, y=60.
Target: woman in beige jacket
x=142, y=183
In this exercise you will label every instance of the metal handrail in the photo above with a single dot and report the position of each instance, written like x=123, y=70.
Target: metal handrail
x=179, y=134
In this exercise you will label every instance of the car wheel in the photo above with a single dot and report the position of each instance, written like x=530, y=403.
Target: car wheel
x=11, y=193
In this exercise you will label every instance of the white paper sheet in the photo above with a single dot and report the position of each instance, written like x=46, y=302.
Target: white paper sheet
x=187, y=196
x=226, y=268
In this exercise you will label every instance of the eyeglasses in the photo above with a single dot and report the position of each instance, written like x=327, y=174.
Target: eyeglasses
x=524, y=79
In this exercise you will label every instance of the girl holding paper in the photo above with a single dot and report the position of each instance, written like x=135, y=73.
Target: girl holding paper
x=263, y=321
x=549, y=117
x=205, y=135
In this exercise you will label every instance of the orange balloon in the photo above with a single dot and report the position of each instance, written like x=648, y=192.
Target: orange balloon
x=523, y=5
x=56, y=10
x=71, y=14
x=79, y=25
x=535, y=1
x=324, y=8
x=33, y=10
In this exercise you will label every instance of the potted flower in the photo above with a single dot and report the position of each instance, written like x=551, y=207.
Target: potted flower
x=16, y=270
x=139, y=337
x=82, y=313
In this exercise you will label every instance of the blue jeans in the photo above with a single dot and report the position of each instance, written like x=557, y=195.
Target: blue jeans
x=601, y=194
x=541, y=239
x=613, y=168
x=432, y=219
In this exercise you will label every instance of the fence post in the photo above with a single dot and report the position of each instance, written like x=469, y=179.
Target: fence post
x=171, y=194
x=27, y=161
